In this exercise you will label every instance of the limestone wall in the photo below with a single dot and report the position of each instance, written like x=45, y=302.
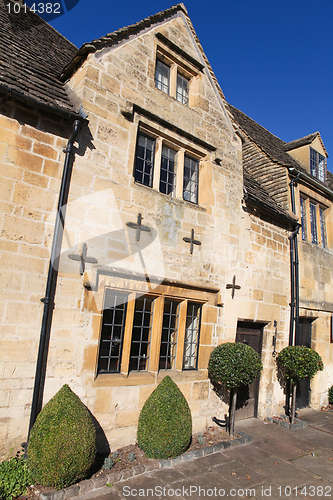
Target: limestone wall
x=116, y=88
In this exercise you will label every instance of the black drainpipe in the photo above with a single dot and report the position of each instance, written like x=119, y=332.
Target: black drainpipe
x=52, y=276
x=294, y=264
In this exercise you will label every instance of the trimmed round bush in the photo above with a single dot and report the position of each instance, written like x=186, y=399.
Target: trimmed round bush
x=234, y=364
x=165, y=422
x=299, y=362
x=330, y=395
x=62, y=444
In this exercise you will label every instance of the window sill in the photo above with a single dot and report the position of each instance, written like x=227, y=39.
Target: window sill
x=172, y=199
x=147, y=378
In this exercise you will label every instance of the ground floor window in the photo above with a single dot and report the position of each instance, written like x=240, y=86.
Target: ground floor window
x=148, y=333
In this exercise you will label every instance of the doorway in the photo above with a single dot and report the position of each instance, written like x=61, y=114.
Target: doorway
x=247, y=400
x=303, y=337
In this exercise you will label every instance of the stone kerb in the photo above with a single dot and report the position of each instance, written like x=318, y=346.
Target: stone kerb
x=110, y=478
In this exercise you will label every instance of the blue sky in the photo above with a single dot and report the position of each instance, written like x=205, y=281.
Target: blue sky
x=273, y=60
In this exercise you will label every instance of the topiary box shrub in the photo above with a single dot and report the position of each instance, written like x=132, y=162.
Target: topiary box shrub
x=165, y=422
x=62, y=444
x=233, y=365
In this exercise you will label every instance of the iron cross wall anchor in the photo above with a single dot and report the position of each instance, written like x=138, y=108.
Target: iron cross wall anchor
x=137, y=225
x=192, y=241
x=82, y=258
x=233, y=286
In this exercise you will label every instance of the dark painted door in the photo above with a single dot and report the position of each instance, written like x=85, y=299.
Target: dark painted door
x=247, y=398
x=303, y=386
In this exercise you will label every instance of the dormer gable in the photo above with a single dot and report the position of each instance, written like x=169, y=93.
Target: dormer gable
x=311, y=153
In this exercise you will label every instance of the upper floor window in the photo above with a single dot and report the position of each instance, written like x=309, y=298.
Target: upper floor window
x=317, y=165
x=162, y=76
x=151, y=344
x=171, y=82
x=313, y=220
x=160, y=166
x=182, y=89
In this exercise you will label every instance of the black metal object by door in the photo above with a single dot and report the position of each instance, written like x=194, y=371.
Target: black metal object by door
x=247, y=399
x=303, y=386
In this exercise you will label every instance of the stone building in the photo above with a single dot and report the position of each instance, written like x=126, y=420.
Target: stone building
x=175, y=239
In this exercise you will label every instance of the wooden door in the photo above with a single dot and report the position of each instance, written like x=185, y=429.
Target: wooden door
x=303, y=386
x=247, y=399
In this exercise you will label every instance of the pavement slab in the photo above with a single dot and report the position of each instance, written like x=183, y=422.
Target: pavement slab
x=316, y=465
x=278, y=464
x=247, y=455
x=238, y=474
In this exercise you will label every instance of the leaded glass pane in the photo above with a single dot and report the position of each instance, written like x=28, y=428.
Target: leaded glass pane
x=144, y=163
x=112, y=333
x=162, y=76
x=141, y=334
x=322, y=227
x=191, y=179
x=313, y=222
x=182, y=89
x=303, y=219
x=168, y=171
x=169, y=335
x=191, y=336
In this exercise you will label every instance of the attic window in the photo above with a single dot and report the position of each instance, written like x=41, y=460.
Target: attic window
x=317, y=165
x=174, y=70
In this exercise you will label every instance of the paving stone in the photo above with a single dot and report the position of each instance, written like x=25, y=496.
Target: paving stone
x=280, y=448
x=214, y=459
x=168, y=476
x=190, y=469
x=247, y=454
x=317, y=465
x=282, y=472
x=238, y=474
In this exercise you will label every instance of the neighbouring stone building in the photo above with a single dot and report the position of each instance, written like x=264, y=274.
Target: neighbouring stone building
x=177, y=226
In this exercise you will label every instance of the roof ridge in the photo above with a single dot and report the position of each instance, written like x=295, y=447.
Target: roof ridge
x=113, y=36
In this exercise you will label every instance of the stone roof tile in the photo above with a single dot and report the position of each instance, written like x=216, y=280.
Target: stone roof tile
x=32, y=55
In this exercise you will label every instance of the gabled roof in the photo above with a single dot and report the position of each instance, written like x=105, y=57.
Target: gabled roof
x=304, y=141
x=32, y=55
x=115, y=37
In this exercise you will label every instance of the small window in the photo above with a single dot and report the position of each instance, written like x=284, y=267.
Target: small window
x=144, y=163
x=303, y=218
x=191, y=336
x=182, y=89
x=168, y=171
x=322, y=227
x=162, y=77
x=317, y=165
x=331, y=330
x=191, y=179
x=141, y=334
x=169, y=335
